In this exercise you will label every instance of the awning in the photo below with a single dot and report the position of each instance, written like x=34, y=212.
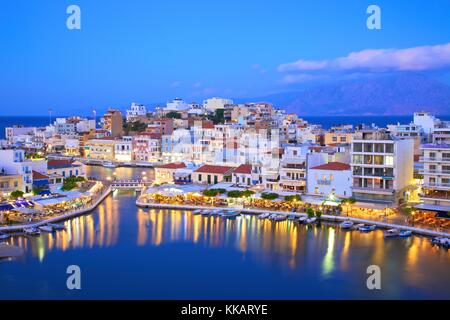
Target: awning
x=6, y=207
x=431, y=207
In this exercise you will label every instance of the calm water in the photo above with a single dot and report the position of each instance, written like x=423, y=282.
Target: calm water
x=127, y=252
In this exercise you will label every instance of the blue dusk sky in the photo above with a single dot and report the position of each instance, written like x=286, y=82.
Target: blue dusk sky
x=151, y=51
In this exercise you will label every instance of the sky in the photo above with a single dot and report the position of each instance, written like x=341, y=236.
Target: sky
x=149, y=51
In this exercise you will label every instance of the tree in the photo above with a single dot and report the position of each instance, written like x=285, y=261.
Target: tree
x=218, y=117
x=349, y=202
x=269, y=196
x=318, y=214
x=234, y=194
x=173, y=115
x=213, y=192
x=38, y=190
x=136, y=126
x=293, y=198
x=310, y=212
x=71, y=183
x=17, y=194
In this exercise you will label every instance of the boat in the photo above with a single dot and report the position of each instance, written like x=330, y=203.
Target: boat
x=197, y=212
x=4, y=236
x=46, y=228
x=357, y=226
x=109, y=164
x=441, y=241
x=56, y=226
x=273, y=216
x=32, y=231
x=365, y=228
x=263, y=216
x=230, y=214
x=292, y=217
x=392, y=233
x=346, y=224
x=215, y=213
x=405, y=234
x=280, y=217
x=302, y=219
x=206, y=212
x=311, y=220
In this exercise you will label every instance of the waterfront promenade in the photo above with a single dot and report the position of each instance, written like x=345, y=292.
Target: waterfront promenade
x=68, y=215
x=330, y=218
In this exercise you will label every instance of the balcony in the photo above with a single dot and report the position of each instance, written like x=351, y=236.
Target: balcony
x=373, y=190
x=434, y=159
x=438, y=186
x=434, y=172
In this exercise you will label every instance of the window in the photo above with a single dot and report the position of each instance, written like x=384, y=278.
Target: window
x=357, y=159
x=389, y=148
x=368, y=147
x=200, y=178
x=389, y=160
x=357, y=147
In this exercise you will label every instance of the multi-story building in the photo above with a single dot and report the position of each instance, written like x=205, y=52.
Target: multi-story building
x=123, y=149
x=113, y=122
x=10, y=183
x=333, y=178
x=210, y=174
x=382, y=167
x=436, y=177
x=337, y=137
x=136, y=112
x=14, y=163
x=100, y=149
x=147, y=148
x=293, y=168
x=166, y=173
x=11, y=132
x=65, y=169
x=214, y=104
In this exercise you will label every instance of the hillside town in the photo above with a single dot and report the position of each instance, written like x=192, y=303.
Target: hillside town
x=400, y=170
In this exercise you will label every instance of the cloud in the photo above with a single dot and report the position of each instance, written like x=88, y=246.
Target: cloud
x=302, y=77
x=424, y=58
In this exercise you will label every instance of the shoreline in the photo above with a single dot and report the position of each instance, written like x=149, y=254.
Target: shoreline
x=336, y=219
x=64, y=217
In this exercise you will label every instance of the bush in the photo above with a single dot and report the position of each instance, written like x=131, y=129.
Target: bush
x=213, y=192
x=292, y=198
x=269, y=196
x=71, y=183
x=16, y=194
x=318, y=214
x=310, y=212
x=240, y=194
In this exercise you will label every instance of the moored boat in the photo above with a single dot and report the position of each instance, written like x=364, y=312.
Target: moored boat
x=206, y=213
x=57, y=226
x=4, y=236
x=367, y=228
x=263, y=216
x=311, y=220
x=197, y=212
x=405, y=234
x=215, y=213
x=32, y=231
x=302, y=219
x=230, y=214
x=292, y=217
x=441, y=241
x=109, y=164
x=391, y=233
x=280, y=217
x=346, y=224
x=46, y=228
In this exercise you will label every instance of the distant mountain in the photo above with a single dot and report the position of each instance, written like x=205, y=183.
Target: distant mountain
x=394, y=95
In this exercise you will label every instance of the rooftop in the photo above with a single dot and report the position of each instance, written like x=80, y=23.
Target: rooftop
x=214, y=169
x=59, y=164
x=334, y=166
x=179, y=165
x=244, y=169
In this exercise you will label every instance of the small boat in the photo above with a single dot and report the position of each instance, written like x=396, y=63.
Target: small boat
x=56, y=226
x=230, y=214
x=346, y=224
x=441, y=241
x=109, y=164
x=292, y=217
x=197, y=212
x=357, y=226
x=302, y=219
x=206, y=213
x=4, y=236
x=214, y=213
x=32, y=231
x=46, y=228
x=405, y=234
x=273, y=216
x=280, y=217
x=311, y=220
x=392, y=233
x=367, y=228
x=263, y=216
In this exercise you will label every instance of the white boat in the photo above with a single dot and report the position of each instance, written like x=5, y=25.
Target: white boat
x=292, y=217
x=206, y=212
x=302, y=219
x=367, y=228
x=392, y=233
x=4, y=236
x=311, y=220
x=357, y=226
x=32, y=231
x=441, y=241
x=109, y=164
x=405, y=234
x=46, y=228
x=280, y=217
x=56, y=226
x=263, y=216
x=214, y=213
x=346, y=224
x=197, y=212
x=273, y=216
x=230, y=214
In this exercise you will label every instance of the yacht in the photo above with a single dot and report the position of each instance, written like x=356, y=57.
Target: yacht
x=311, y=220
x=392, y=233
x=109, y=164
x=230, y=214
x=346, y=224
x=280, y=217
x=367, y=228
x=441, y=241
x=46, y=228
x=264, y=216
x=405, y=234
x=32, y=231
x=56, y=226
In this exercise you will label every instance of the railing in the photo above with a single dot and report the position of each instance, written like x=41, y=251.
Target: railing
x=434, y=159
x=373, y=189
x=422, y=171
x=436, y=185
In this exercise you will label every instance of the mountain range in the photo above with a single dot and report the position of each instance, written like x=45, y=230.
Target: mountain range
x=391, y=95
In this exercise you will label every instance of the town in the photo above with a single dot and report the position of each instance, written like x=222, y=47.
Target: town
x=220, y=153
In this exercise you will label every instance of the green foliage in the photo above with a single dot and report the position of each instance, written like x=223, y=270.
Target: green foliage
x=16, y=194
x=218, y=117
x=293, y=198
x=37, y=190
x=71, y=183
x=247, y=193
x=240, y=194
x=173, y=115
x=318, y=214
x=136, y=126
x=269, y=196
x=349, y=201
x=213, y=192
x=310, y=212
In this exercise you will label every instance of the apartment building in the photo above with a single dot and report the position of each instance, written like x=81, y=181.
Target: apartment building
x=113, y=122
x=100, y=149
x=293, y=168
x=123, y=149
x=14, y=163
x=333, y=178
x=147, y=148
x=382, y=167
x=436, y=177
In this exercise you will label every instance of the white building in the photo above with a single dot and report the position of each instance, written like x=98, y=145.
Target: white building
x=333, y=178
x=11, y=132
x=85, y=125
x=136, y=111
x=177, y=105
x=214, y=104
x=13, y=162
x=382, y=167
x=124, y=149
